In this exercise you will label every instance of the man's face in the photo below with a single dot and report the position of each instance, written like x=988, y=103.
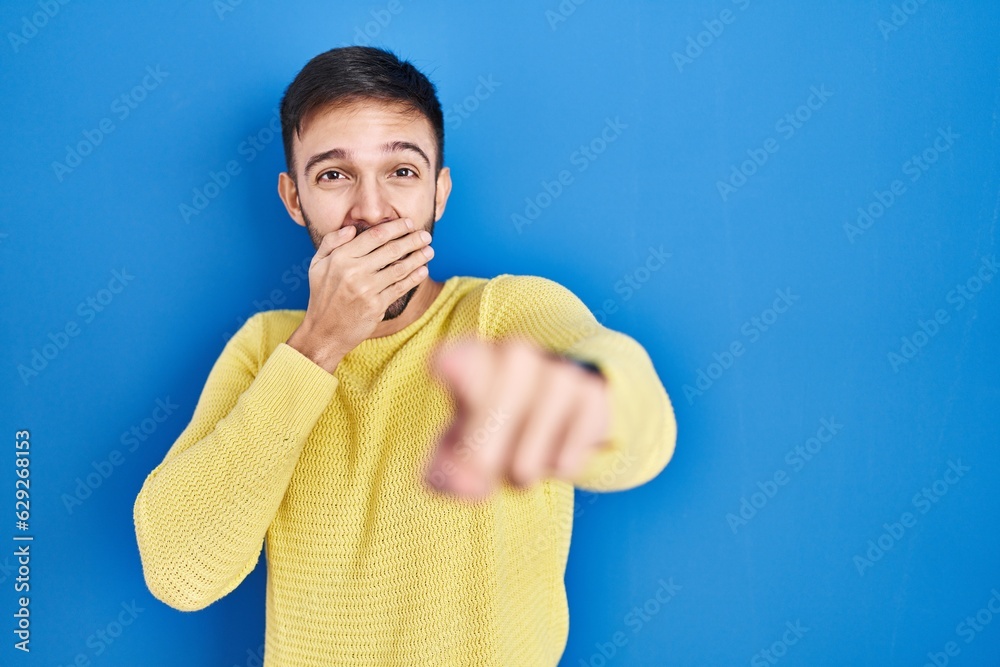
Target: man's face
x=361, y=165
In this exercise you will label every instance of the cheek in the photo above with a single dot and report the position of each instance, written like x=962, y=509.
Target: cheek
x=325, y=209
x=412, y=198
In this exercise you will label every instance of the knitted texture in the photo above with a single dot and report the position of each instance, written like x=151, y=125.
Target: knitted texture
x=365, y=565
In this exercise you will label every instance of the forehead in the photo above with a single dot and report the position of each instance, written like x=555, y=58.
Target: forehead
x=362, y=126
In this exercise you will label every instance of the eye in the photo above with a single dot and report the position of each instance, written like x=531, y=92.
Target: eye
x=405, y=169
x=331, y=171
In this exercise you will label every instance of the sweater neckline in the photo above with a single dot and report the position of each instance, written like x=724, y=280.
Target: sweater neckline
x=414, y=326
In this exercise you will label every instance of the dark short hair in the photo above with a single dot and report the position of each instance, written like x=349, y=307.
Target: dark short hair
x=351, y=73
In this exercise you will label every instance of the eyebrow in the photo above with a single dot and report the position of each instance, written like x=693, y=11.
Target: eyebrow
x=388, y=147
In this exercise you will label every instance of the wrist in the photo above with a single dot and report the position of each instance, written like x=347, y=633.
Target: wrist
x=311, y=346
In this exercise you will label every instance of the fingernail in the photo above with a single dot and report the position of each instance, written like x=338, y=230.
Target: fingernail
x=409, y=223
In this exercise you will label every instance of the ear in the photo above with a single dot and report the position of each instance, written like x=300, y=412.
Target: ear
x=289, y=194
x=443, y=190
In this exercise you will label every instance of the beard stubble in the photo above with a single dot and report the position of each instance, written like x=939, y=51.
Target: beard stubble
x=397, y=307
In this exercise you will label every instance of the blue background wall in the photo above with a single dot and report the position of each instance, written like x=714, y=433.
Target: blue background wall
x=753, y=537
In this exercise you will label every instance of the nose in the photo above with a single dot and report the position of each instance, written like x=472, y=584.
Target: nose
x=371, y=205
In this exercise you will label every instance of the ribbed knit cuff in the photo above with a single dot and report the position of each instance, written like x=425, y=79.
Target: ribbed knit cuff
x=300, y=389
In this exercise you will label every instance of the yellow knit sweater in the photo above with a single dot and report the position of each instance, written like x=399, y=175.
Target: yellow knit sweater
x=364, y=565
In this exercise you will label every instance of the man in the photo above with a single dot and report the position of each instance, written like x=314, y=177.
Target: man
x=407, y=449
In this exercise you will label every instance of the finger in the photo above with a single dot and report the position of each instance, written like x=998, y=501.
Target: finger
x=544, y=430
x=332, y=241
x=450, y=365
x=396, y=249
x=587, y=429
x=401, y=268
x=401, y=287
x=377, y=235
x=445, y=364
x=445, y=472
x=464, y=366
x=511, y=390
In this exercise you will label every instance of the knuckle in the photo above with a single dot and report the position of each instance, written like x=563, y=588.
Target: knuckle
x=417, y=259
x=522, y=472
x=355, y=287
x=396, y=246
x=561, y=383
x=518, y=351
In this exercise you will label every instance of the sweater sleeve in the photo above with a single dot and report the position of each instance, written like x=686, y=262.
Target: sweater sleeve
x=643, y=429
x=203, y=512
